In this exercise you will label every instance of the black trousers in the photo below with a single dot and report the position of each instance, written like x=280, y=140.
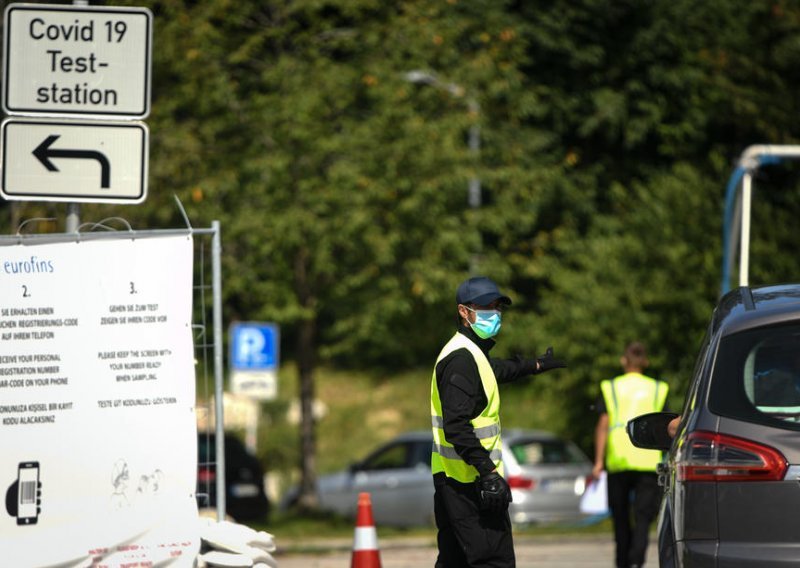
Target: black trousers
x=469, y=537
x=633, y=498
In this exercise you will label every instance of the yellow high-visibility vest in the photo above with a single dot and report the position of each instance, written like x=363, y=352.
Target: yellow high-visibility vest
x=626, y=397
x=487, y=425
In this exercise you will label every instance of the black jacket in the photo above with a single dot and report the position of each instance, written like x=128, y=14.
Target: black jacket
x=462, y=396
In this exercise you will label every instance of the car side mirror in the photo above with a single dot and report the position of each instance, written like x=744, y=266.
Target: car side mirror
x=650, y=431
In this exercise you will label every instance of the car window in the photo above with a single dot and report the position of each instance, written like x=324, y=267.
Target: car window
x=391, y=457
x=758, y=377
x=535, y=452
x=421, y=454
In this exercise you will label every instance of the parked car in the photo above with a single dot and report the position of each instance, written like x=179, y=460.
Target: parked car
x=245, y=498
x=546, y=474
x=731, y=478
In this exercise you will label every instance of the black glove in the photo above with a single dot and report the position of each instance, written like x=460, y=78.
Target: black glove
x=495, y=495
x=547, y=361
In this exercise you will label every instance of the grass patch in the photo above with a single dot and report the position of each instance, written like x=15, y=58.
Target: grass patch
x=358, y=411
x=332, y=531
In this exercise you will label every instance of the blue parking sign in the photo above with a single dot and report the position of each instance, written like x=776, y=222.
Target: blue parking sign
x=254, y=346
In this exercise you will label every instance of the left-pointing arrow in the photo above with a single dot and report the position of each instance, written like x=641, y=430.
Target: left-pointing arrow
x=44, y=153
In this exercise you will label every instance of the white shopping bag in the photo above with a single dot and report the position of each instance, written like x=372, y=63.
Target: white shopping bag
x=595, y=498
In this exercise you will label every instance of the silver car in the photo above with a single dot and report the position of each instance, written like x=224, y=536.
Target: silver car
x=546, y=474
x=731, y=479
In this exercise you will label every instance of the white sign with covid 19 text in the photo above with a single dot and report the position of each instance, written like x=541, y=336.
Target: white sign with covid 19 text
x=98, y=445
x=77, y=61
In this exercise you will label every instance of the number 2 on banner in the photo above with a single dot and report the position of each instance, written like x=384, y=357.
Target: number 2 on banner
x=25, y=293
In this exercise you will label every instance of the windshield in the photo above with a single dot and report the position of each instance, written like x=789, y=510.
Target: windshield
x=536, y=452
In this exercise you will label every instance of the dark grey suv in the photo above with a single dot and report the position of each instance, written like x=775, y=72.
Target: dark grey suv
x=731, y=477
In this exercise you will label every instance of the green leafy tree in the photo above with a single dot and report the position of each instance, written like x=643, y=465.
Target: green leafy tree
x=341, y=185
x=607, y=133
x=649, y=108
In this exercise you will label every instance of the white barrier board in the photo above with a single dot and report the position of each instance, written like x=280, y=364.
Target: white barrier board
x=98, y=446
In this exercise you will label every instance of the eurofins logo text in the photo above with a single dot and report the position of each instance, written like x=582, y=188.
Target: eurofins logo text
x=34, y=265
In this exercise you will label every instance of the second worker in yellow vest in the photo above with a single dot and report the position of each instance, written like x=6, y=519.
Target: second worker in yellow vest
x=633, y=491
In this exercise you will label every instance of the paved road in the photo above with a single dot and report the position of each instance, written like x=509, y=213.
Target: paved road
x=589, y=551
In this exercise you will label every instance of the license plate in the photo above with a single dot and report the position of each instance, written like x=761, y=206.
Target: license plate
x=558, y=485
x=244, y=490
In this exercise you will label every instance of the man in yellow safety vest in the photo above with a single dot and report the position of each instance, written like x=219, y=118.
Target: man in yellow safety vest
x=471, y=495
x=631, y=471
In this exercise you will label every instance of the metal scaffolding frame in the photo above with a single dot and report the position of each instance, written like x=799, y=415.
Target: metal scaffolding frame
x=738, y=207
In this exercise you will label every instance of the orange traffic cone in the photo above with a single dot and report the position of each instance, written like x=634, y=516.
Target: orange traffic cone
x=365, y=543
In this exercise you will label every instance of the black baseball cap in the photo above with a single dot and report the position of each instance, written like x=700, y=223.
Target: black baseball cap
x=481, y=291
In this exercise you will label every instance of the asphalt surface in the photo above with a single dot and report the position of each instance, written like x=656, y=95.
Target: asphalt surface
x=574, y=551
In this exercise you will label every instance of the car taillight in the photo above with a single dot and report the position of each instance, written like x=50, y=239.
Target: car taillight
x=519, y=482
x=706, y=456
x=206, y=475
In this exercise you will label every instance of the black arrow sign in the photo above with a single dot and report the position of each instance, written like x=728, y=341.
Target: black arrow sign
x=44, y=152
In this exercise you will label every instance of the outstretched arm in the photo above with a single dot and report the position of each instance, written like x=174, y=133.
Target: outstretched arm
x=548, y=361
x=507, y=370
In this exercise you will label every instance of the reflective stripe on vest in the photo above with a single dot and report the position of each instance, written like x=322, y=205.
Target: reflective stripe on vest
x=486, y=425
x=627, y=397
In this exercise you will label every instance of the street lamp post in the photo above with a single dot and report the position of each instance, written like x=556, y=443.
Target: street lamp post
x=474, y=197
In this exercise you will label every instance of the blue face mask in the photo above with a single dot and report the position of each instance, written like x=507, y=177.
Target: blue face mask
x=487, y=322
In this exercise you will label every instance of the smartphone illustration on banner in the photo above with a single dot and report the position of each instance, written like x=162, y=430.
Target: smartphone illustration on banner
x=28, y=480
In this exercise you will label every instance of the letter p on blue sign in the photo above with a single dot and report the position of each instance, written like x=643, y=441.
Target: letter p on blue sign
x=254, y=346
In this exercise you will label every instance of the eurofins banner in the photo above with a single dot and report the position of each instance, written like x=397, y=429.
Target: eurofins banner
x=98, y=454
